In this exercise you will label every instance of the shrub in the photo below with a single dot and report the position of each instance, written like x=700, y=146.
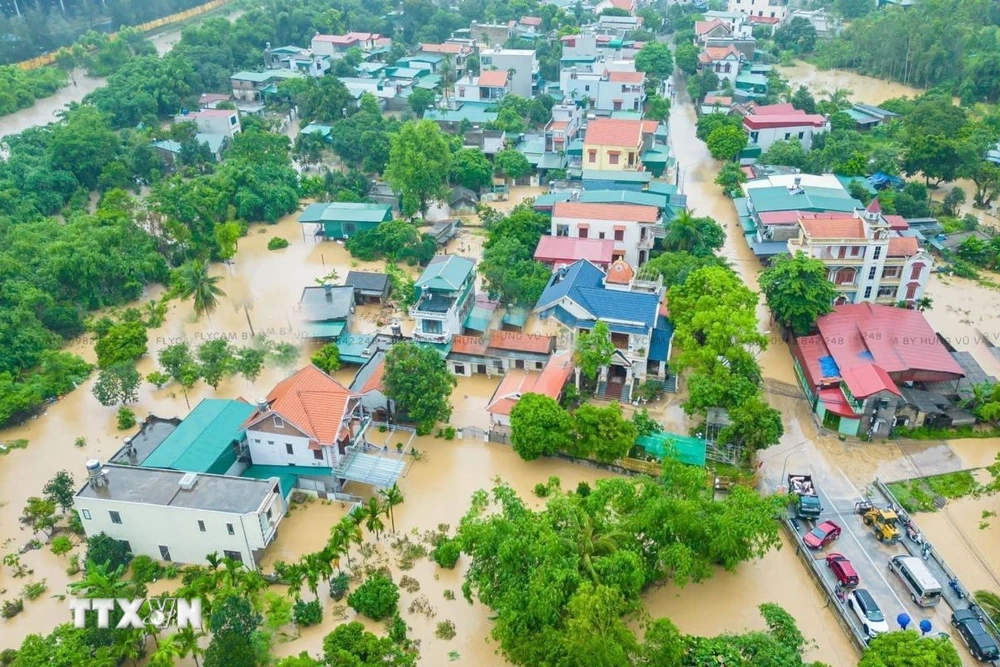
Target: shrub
x=376, y=598
x=145, y=570
x=397, y=629
x=61, y=544
x=11, y=608
x=583, y=489
x=74, y=524
x=307, y=613
x=445, y=630
x=126, y=418
x=338, y=586
x=158, y=379
x=34, y=590
x=170, y=571
x=102, y=548
x=541, y=490
x=80, y=442
x=446, y=552
x=74, y=565
x=277, y=243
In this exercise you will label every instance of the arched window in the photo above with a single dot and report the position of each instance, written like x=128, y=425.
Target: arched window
x=845, y=276
x=840, y=300
x=911, y=290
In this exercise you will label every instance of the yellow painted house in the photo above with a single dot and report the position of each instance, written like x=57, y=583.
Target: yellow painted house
x=613, y=144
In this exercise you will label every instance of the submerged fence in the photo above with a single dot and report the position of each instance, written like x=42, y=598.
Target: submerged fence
x=49, y=58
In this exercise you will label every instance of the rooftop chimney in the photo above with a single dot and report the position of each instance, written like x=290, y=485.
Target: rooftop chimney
x=262, y=405
x=397, y=330
x=328, y=289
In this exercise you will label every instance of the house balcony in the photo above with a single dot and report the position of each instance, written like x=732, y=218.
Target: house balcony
x=833, y=258
x=646, y=241
x=886, y=300
x=433, y=306
x=891, y=280
x=847, y=287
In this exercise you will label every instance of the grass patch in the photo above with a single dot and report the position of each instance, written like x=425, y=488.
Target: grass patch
x=925, y=433
x=912, y=495
x=953, y=485
x=11, y=445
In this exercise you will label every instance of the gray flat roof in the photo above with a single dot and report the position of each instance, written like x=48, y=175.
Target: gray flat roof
x=157, y=486
x=320, y=306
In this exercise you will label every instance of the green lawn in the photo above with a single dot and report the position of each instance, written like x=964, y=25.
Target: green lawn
x=917, y=495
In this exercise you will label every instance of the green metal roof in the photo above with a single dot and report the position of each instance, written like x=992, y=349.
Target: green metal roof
x=622, y=197
x=656, y=157
x=662, y=187
x=346, y=212
x=324, y=329
x=617, y=176
x=516, y=316
x=778, y=198
x=441, y=348
x=446, y=273
x=752, y=79
x=203, y=442
x=313, y=128
x=683, y=448
x=472, y=113
x=288, y=476
x=847, y=180
x=429, y=82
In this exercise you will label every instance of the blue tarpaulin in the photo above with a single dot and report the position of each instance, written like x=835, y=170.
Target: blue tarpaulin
x=880, y=180
x=829, y=367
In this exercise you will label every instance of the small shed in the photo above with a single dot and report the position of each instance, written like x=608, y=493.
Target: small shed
x=327, y=310
x=340, y=220
x=462, y=200
x=444, y=231
x=369, y=287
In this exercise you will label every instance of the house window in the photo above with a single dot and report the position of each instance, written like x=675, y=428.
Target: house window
x=753, y=137
x=613, y=158
x=915, y=273
x=232, y=120
x=600, y=235
x=432, y=326
x=562, y=230
x=788, y=135
x=802, y=135
x=459, y=369
x=230, y=529
x=878, y=253
x=868, y=292
x=270, y=442
x=539, y=365
x=318, y=454
x=256, y=441
x=591, y=156
x=586, y=88
x=289, y=449
x=201, y=525
x=871, y=273
x=164, y=553
x=886, y=292
x=85, y=514
x=855, y=250
x=772, y=15
x=279, y=422
x=115, y=517
x=584, y=232
x=619, y=235
x=233, y=555
x=911, y=291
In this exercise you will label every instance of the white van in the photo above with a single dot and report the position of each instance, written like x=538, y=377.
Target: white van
x=924, y=588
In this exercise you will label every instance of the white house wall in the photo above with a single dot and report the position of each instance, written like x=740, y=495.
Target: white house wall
x=264, y=453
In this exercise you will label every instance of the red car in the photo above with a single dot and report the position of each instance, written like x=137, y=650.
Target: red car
x=842, y=569
x=822, y=535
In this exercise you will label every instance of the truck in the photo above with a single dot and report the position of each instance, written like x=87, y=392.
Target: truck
x=805, y=500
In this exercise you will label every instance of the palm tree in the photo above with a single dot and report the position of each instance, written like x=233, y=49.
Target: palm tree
x=187, y=641
x=294, y=575
x=166, y=654
x=683, y=234
x=838, y=97
x=590, y=544
x=343, y=533
x=393, y=496
x=446, y=72
x=981, y=393
x=924, y=303
x=990, y=604
x=130, y=645
x=373, y=517
x=100, y=581
x=193, y=280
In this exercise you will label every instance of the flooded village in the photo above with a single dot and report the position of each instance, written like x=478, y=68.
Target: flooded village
x=500, y=352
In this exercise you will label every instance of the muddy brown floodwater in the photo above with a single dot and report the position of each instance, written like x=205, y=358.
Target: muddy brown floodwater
x=864, y=89
x=46, y=110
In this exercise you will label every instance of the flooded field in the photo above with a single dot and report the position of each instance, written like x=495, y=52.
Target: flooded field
x=864, y=89
x=967, y=539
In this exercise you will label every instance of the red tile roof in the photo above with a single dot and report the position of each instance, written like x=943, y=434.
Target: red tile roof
x=374, y=382
x=627, y=5
x=549, y=382
x=720, y=53
x=779, y=217
x=515, y=341
x=472, y=345
x=863, y=381
x=531, y=20
x=902, y=246
x=834, y=401
x=757, y=121
x=568, y=249
x=896, y=222
x=702, y=27
x=447, y=47
x=810, y=349
x=614, y=132
x=717, y=100
x=619, y=273
x=615, y=212
x=774, y=109
x=311, y=401
x=493, y=78
x=874, y=206
x=897, y=339
x=769, y=20
x=839, y=228
x=626, y=77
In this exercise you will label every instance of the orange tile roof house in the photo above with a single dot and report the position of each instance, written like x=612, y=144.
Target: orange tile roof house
x=616, y=144
x=499, y=351
x=724, y=61
x=550, y=382
x=632, y=227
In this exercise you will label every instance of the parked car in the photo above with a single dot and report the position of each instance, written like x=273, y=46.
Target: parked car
x=842, y=570
x=822, y=535
x=861, y=602
x=981, y=644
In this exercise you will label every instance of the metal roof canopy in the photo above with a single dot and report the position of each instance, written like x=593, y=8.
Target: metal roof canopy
x=373, y=464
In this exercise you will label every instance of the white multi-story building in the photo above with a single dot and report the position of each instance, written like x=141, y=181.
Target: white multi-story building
x=774, y=9
x=782, y=122
x=446, y=296
x=521, y=64
x=490, y=86
x=213, y=121
x=866, y=259
x=171, y=515
x=609, y=86
x=633, y=228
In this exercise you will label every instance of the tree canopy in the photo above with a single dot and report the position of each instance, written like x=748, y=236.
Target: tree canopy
x=797, y=291
x=419, y=163
x=417, y=378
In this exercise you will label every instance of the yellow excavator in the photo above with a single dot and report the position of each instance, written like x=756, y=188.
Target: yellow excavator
x=884, y=521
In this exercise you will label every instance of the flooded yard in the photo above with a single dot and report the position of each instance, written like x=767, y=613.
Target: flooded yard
x=864, y=89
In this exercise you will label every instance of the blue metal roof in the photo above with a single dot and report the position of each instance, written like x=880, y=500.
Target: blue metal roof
x=659, y=345
x=577, y=273
x=583, y=283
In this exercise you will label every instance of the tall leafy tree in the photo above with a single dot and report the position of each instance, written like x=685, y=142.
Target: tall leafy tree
x=539, y=427
x=419, y=163
x=797, y=291
x=754, y=425
x=117, y=384
x=471, y=169
x=593, y=350
x=655, y=58
x=417, y=378
x=725, y=143
x=906, y=647
x=603, y=433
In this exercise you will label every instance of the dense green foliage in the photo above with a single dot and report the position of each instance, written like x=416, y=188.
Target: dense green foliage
x=377, y=597
x=510, y=273
x=417, y=378
x=797, y=291
x=20, y=88
x=104, y=550
x=539, y=427
x=951, y=43
x=559, y=580
x=906, y=647
x=396, y=240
